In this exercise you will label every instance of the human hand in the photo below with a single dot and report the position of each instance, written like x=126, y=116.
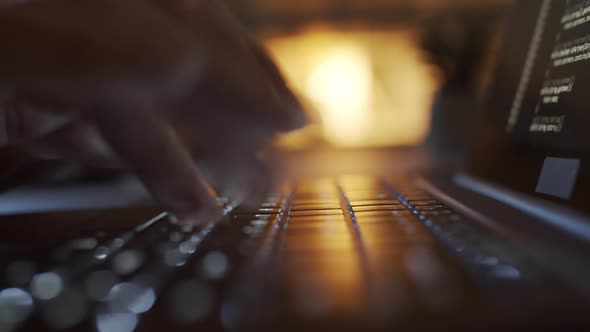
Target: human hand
x=143, y=85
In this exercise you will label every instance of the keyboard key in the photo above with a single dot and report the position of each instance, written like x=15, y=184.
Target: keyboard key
x=315, y=213
x=256, y=211
x=307, y=207
x=361, y=214
x=319, y=229
x=319, y=243
x=355, y=203
x=424, y=202
x=304, y=202
x=374, y=219
x=316, y=197
x=368, y=196
x=378, y=208
x=431, y=207
x=437, y=213
x=316, y=219
x=246, y=218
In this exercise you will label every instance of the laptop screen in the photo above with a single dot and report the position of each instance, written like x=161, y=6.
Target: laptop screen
x=535, y=130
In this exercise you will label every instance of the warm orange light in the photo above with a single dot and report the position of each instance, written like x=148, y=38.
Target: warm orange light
x=369, y=88
x=341, y=88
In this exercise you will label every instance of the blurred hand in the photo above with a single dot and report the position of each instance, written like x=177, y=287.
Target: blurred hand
x=145, y=85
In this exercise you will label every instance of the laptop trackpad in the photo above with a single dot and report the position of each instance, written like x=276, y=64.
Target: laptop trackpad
x=558, y=177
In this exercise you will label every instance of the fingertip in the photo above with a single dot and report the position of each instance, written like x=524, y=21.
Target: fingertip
x=291, y=113
x=197, y=218
x=296, y=114
x=283, y=112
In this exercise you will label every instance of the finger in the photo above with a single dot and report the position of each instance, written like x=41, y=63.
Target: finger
x=260, y=180
x=229, y=151
x=24, y=122
x=151, y=150
x=221, y=133
x=279, y=82
x=56, y=133
x=235, y=79
x=78, y=141
x=240, y=176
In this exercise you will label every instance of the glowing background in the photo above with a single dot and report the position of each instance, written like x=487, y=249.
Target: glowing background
x=363, y=87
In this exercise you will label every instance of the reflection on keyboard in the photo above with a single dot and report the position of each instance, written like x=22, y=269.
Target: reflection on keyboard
x=353, y=249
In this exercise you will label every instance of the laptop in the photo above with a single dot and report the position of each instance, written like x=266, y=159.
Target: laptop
x=503, y=245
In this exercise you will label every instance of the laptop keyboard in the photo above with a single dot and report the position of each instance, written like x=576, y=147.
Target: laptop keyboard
x=362, y=248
